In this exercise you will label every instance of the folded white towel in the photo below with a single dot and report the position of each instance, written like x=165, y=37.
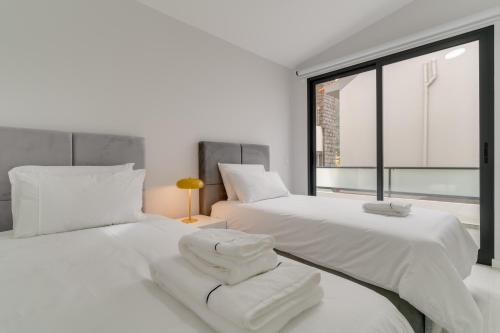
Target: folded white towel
x=228, y=242
x=265, y=302
x=392, y=208
x=230, y=256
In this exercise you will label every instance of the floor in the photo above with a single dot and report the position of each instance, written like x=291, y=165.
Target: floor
x=484, y=283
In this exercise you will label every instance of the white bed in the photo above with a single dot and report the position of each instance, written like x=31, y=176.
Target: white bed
x=423, y=257
x=98, y=280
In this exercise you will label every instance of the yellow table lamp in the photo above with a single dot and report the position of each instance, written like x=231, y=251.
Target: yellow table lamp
x=190, y=184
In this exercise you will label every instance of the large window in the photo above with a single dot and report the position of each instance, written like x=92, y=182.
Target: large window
x=431, y=131
x=416, y=126
x=346, y=135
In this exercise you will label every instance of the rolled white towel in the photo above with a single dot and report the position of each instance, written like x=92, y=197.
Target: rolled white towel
x=265, y=302
x=393, y=208
x=230, y=256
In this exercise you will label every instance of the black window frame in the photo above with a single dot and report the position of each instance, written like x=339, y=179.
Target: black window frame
x=485, y=36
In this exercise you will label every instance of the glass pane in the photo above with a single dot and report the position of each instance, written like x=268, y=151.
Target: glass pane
x=431, y=131
x=346, y=127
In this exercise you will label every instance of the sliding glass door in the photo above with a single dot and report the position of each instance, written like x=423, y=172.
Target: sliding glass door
x=431, y=131
x=416, y=126
x=345, y=160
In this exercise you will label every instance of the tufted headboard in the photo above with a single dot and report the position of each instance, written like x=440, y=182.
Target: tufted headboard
x=211, y=153
x=21, y=146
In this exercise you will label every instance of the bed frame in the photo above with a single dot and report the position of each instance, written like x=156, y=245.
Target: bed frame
x=21, y=146
x=211, y=153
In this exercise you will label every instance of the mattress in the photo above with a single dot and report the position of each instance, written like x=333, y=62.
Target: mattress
x=98, y=280
x=423, y=257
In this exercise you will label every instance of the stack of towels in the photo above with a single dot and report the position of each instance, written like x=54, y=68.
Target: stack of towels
x=235, y=283
x=393, y=208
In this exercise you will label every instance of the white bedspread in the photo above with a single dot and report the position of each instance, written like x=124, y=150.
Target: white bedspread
x=423, y=257
x=98, y=280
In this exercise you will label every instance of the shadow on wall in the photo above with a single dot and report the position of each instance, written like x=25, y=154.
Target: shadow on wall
x=168, y=201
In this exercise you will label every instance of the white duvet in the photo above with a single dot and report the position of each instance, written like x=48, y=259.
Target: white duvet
x=98, y=280
x=423, y=257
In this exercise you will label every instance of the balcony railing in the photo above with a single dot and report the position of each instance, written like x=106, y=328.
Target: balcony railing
x=454, y=184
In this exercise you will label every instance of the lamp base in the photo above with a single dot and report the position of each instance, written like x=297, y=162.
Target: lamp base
x=189, y=220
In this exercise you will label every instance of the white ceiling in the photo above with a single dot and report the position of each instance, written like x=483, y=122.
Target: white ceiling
x=284, y=31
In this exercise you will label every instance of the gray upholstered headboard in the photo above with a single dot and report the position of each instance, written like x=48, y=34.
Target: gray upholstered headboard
x=20, y=146
x=211, y=153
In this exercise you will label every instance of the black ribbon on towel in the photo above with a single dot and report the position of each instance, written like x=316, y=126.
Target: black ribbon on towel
x=210, y=293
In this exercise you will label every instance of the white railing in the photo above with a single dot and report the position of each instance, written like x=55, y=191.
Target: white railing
x=452, y=183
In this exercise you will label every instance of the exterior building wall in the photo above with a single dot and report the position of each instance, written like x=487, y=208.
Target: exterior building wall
x=327, y=117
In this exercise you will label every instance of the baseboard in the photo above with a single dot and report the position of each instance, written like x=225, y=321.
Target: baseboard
x=495, y=263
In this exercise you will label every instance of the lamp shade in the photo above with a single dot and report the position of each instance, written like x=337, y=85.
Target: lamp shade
x=190, y=183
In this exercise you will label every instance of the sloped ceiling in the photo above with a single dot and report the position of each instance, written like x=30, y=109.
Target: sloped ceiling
x=284, y=31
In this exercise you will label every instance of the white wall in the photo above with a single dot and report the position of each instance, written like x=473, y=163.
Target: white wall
x=358, y=121
x=116, y=66
x=299, y=136
x=453, y=121
x=418, y=16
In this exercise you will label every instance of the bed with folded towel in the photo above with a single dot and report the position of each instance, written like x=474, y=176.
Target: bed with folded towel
x=422, y=255
x=99, y=280
x=264, y=303
x=230, y=256
x=237, y=278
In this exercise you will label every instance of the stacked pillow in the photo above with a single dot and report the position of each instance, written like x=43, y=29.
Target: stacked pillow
x=50, y=199
x=251, y=182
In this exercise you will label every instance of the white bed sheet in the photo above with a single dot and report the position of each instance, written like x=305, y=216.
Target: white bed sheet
x=98, y=280
x=423, y=257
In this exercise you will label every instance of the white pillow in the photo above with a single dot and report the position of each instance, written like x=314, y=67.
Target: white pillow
x=41, y=170
x=70, y=169
x=58, y=203
x=226, y=168
x=251, y=187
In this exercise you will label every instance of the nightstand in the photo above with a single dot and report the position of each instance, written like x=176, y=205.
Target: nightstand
x=208, y=222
